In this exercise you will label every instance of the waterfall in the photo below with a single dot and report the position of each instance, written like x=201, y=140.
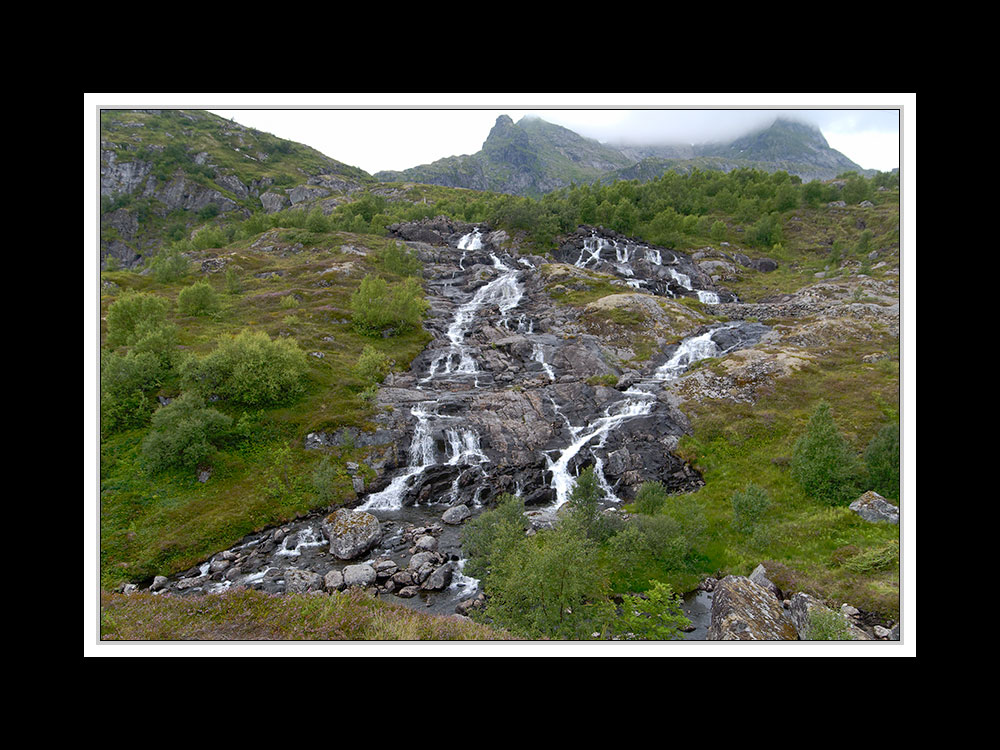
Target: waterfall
x=539, y=356
x=505, y=292
x=471, y=241
x=421, y=457
x=638, y=402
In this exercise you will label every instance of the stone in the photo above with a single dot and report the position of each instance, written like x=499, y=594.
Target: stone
x=408, y=592
x=427, y=543
x=438, y=579
x=743, y=610
x=333, y=581
x=456, y=515
x=759, y=576
x=299, y=581
x=158, y=583
x=351, y=533
x=362, y=575
x=872, y=507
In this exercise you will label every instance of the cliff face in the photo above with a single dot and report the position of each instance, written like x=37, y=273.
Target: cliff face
x=163, y=173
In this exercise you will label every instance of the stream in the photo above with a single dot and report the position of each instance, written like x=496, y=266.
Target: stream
x=492, y=405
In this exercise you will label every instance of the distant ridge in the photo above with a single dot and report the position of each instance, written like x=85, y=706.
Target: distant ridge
x=533, y=157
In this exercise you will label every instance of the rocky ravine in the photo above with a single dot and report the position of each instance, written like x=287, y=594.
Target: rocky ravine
x=515, y=393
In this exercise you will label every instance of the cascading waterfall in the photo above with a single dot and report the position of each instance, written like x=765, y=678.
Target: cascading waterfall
x=505, y=292
x=421, y=457
x=539, y=356
x=471, y=241
x=638, y=402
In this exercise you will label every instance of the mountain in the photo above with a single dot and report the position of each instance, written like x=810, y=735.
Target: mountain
x=165, y=172
x=533, y=157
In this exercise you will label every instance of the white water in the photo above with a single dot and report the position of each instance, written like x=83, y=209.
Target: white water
x=472, y=241
x=421, y=456
x=638, y=402
x=505, y=292
x=539, y=356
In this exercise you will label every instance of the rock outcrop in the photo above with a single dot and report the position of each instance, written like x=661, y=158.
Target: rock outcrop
x=871, y=506
x=743, y=610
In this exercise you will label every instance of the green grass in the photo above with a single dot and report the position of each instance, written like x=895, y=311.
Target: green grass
x=247, y=615
x=153, y=524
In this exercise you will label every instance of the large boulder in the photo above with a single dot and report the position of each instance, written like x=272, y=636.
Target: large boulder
x=362, y=575
x=743, y=610
x=871, y=506
x=351, y=533
x=298, y=581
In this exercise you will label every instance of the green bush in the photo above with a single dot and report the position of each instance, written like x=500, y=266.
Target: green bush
x=372, y=365
x=650, y=498
x=658, y=615
x=133, y=315
x=400, y=261
x=198, y=299
x=250, y=369
x=328, y=480
x=749, y=507
x=826, y=625
x=882, y=460
x=126, y=384
x=493, y=534
x=169, y=265
x=234, y=284
x=378, y=306
x=823, y=463
x=184, y=434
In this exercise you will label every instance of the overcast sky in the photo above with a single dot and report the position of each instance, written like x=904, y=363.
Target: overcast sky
x=407, y=133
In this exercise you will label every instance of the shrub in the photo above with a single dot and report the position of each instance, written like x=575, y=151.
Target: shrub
x=126, y=381
x=378, y=305
x=184, y=434
x=132, y=315
x=882, y=460
x=823, y=463
x=289, y=302
x=493, y=534
x=251, y=369
x=327, y=480
x=826, y=625
x=650, y=498
x=234, y=284
x=400, y=261
x=208, y=237
x=372, y=366
x=749, y=507
x=169, y=265
x=656, y=616
x=198, y=299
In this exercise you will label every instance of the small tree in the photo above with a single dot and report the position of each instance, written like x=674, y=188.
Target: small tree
x=823, y=462
x=657, y=616
x=372, y=366
x=378, y=305
x=169, y=265
x=882, y=460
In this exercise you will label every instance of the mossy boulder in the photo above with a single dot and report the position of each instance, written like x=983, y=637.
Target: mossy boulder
x=351, y=533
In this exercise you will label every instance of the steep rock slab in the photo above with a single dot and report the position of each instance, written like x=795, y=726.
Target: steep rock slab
x=746, y=611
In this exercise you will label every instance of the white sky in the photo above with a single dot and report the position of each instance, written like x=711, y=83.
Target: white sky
x=397, y=131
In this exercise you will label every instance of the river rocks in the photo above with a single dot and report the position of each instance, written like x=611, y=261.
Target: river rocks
x=743, y=610
x=362, y=575
x=333, y=581
x=871, y=506
x=299, y=581
x=438, y=579
x=351, y=533
x=456, y=515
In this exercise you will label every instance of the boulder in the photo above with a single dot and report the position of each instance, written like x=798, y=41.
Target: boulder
x=299, y=581
x=871, y=506
x=743, y=610
x=456, y=515
x=439, y=579
x=759, y=576
x=362, y=575
x=351, y=533
x=333, y=581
